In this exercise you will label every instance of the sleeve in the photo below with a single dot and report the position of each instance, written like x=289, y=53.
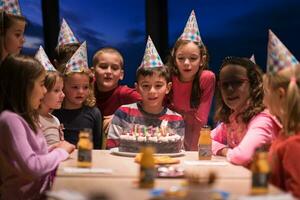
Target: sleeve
x=19, y=149
x=115, y=129
x=259, y=132
x=52, y=133
x=177, y=124
x=219, y=138
x=207, y=85
x=97, y=129
x=129, y=95
x=291, y=167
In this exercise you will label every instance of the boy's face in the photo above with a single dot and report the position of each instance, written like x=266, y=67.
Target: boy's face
x=108, y=71
x=153, y=90
x=76, y=89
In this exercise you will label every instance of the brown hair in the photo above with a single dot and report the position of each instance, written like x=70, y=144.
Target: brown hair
x=51, y=78
x=108, y=50
x=6, y=21
x=282, y=79
x=63, y=54
x=17, y=76
x=161, y=71
x=171, y=63
x=256, y=91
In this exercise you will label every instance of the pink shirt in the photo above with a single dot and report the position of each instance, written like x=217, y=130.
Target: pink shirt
x=25, y=161
x=243, y=139
x=194, y=118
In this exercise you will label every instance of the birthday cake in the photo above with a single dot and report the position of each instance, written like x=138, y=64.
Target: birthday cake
x=162, y=140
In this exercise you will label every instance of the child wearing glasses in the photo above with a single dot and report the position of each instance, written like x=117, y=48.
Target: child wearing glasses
x=245, y=124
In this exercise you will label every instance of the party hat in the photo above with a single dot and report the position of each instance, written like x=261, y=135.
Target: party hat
x=151, y=57
x=11, y=7
x=279, y=56
x=252, y=58
x=44, y=60
x=191, y=30
x=78, y=62
x=66, y=35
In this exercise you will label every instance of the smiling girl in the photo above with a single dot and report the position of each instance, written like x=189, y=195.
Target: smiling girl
x=244, y=122
x=193, y=85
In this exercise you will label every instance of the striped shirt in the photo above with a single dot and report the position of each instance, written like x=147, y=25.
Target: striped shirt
x=133, y=114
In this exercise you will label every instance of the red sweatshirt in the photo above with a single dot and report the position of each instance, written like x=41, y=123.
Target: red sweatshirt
x=285, y=163
x=109, y=102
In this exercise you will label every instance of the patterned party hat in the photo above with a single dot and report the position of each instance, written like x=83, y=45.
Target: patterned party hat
x=279, y=56
x=191, y=30
x=78, y=62
x=66, y=35
x=252, y=58
x=11, y=7
x=44, y=60
x=151, y=57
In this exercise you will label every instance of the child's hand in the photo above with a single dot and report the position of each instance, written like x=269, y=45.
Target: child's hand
x=223, y=152
x=66, y=146
x=53, y=146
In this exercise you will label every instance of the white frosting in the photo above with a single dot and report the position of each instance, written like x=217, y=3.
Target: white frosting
x=141, y=139
x=157, y=137
x=163, y=139
x=153, y=139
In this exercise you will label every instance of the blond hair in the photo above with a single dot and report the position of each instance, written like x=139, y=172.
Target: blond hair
x=107, y=50
x=289, y=80
x=91, y=99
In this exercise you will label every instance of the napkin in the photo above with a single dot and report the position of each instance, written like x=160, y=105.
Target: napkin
x=205, y=163
x=66, y=195
x=75, y=170
x=268, y=197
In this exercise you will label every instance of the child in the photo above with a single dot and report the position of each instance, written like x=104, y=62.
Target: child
x=244, y=122
x=282, y=97
x=153, y=83
x=53, y=99
x=26, y=162
x=192, y=85
x=67, y=45
x=108, y=67
x=78, y=111
x=12, y=28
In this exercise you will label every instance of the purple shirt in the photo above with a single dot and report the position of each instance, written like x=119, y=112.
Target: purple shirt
x=25, y=161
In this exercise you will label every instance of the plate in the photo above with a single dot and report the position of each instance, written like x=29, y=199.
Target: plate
x=159, y=160
x=170, y=172
x=116, y=151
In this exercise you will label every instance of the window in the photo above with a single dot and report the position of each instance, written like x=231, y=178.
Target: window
x=32, y=10
x=120, y=24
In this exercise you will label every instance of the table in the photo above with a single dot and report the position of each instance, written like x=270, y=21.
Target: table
x=125, y=167
x=121, y=184
x=126, y=188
